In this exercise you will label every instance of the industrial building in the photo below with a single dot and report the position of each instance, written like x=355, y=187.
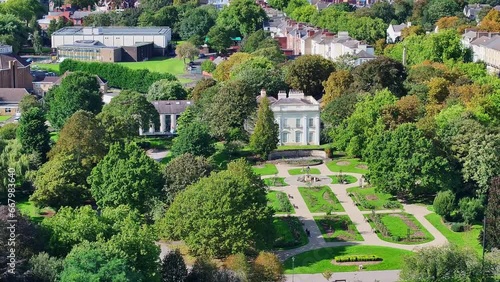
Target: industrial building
x=111, y=44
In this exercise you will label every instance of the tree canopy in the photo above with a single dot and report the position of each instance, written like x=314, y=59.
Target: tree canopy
x=166, y=90
x=308, y=72
x=264, y=138
x=243, y=16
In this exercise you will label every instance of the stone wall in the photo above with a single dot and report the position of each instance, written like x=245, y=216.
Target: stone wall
x=291, y=154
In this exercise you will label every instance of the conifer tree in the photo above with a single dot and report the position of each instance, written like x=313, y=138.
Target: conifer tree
x=264, y=139
x=173, y=268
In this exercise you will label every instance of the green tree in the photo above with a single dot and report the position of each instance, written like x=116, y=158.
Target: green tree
x=126, y=114
x=236, y=194
x=264, y=138
x=444, y=203
x=308, y=72
x=125, y=176
x=251, y=42
x=208, y=66
x=200, y=87
x=196, y=22
x=404, y=162
x=470, y=209
x=81, y=3
x=23, y=9
x=173, y=268
x=304, y=13
x=267, y=267
x=219, y=38
x=28, y=102
x=166, y=90
x=61, y=182
x=338, y=110
x=382, y=10
x=183, y=171
x=13, y=31
x=240, y=265
x=294, y=4
x=32, y=132
x=492, y=216
x=436, y=9
x=25, y=165
x=186, y=50
x=45, y=268
x=77, y=91
x=90, y=261
x=244, y=16
x=279, y=4
x=271, y=78
x=337, y=84
x=445, y=263
x=378, y=74
x=8, y=131
x=82, y=136
x=194, y=139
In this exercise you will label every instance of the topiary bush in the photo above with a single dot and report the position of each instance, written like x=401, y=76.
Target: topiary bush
x=444, y=203
x=353, y=258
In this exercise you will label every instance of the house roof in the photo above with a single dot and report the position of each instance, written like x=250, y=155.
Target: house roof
x=493, y=43
x=271, y=99
x=170, y=107
x=12, y=95
x=364, y=55
x=6, y=58
x=292, y=101
x=48, y=79
x=398, y=27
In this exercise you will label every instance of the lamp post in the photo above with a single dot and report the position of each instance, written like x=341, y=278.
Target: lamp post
x=293, y=269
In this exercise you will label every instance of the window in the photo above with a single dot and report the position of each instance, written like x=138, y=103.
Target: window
x=284, y=138
x=298, y=137
x=311, y=137
x=7, y=110
x=297, y=122
x=311, y=122
x=285, y=123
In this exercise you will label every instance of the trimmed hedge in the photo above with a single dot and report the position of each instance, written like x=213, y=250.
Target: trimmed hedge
x=117, y=75
x=355, y=258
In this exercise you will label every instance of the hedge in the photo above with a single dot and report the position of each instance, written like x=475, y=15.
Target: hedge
x=118, y=76
x=354, y=258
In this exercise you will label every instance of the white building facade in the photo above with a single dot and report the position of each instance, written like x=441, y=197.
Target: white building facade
x=298, y=118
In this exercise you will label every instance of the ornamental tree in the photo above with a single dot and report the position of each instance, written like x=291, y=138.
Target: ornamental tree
x=493, y=216
x=173, y=268
x=32, y=132
x=186, y=50
x=236, y=195
x=126, y=176
x=264, y=138
x=166, y=90
x=308, y=72
x=193, y=138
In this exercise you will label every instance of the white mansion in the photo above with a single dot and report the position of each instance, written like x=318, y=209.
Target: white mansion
x=297, y=116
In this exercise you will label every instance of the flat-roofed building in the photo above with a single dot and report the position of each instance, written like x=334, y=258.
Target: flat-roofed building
x=107, y=38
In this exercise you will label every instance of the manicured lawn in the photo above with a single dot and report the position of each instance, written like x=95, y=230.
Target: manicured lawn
x=348, y=178
x=297, y=171
x=398, y=224
x=29, y=209
x=4, y=118
x=462, y=239
x=267, y=169
x=279, y=202
x=318, y=261
x=275, y=181
x=369, y=198
x=337, y=228
x=289, y=233
x=347, y=165
x=155, y=142
x=320, y=199
x=48, y=67
x=174, y=66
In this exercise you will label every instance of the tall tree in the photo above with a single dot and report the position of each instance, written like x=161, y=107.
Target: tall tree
x=244, y=16
x=125, y=114
x=493, y=216
x=28, y=102
x=77, y=91
x=166, y=90
x=267, y=267
x=337, y=84
x=183, y=171
x=219, y=38
x=32, y=132
x=186, y=50
x=82, y=136
x=13, y=31
x=125, y=176
x=308, y=72
x=173, y=268
x=237, y=195
x=193, y=138
x=378, y=74
x=196, y=23
x=264, y=138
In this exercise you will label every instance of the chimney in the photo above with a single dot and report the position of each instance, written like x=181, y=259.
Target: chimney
x=310, y=32
x=296, y=94
x=263, y=92
x=408, y=24
x=281, y=94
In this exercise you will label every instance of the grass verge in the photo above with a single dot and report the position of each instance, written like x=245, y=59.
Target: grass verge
x=266, y=169
x=279, y=202
x=370, y=198
x=461, y=239
x=320, y=260
x=174, y=66
x=320, y=199
x=289, y=233
x=28, y=208
x=347, y=165
x=337, y=228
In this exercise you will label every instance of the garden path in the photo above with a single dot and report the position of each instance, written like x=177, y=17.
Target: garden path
x=316, y=240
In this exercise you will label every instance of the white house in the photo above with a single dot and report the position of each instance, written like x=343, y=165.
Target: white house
x=394, y=32
x=169, y=111
x=298, y=117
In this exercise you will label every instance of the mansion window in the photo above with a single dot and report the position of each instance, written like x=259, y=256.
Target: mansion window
x=297, y=123
x=298, y=137
x=311, y=122
x=311, y=137
x=284, y=139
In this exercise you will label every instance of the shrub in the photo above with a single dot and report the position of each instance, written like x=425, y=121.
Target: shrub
x=392, y=205
x=329, y=152
x=208, y=66
x=470, y=209
x=396, y=238
x=117, y=75
x=444, y=203
x=352, y=258
x=458, y=227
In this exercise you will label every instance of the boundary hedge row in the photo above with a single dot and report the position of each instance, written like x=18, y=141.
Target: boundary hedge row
x=354, y=258
x=118, y=76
